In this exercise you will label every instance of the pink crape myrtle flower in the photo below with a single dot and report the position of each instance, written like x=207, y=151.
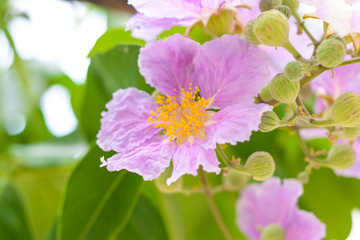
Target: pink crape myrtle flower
x=155, y=16
x=272, y=202
x=223, y=74
x=342, y=15
x=329, y=86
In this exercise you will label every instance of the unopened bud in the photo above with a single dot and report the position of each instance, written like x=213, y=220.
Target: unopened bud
x=284, y=10
x=266, y=5
x=350, y=134
x=331, y=53
x=337, y=37
x=269, y=122
x=294, y=71
x=292, y=4
x=341, y=156
x=271, y=28
x=303, y=177
x=220, y=22
x=235, y=180
x=273, y=231
x=284, y=90
x=260, y=166
x=160, y=183
x=249, y=32
x=346, y=110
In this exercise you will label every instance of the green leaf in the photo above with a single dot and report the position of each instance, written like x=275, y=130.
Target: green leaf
x=112, y=38
x=145, y=223
x=97, y=203
x=107, y=73
x=13, y=219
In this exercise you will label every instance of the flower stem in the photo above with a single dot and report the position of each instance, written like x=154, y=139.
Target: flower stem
x=288, y=46
x=302, y=25
x=223, y=154
x=213, y=207
x=348, y=62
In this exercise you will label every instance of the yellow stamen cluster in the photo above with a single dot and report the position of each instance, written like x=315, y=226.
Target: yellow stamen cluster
x=180, y=120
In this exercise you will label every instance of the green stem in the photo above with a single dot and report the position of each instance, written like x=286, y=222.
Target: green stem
x=288, y=46
x=303, y=144
x=348, y=62
x=302, y=25
x=307, y=79
x=213, y=207
x=223, y=154
x=321, y=123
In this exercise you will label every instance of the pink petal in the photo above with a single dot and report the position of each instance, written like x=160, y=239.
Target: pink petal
x=148, y=160
x=147, y=28
x=304, y=226
x=355, y=19
x=169, y=65
x=124, y=126
x=337, y=14
x=167, y=8
x=188, y=158
x=212, y=4
x=309, y=2
x=230, y=75
x=234, y=124
x=266, y=203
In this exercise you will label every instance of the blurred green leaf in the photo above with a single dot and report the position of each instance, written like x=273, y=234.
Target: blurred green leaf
x=41, y=191
x=107, y=73
x=98, y=203
x=145, y=223
x=55, y=152
x=113, y=37
x=13, y=218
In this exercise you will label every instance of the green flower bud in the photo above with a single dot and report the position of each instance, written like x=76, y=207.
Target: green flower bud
x=235, y=180
x=249, y=32
x=266, y=5
x=331, y=53
x=284, y=10
x=303, y=177
x=341, y=156
x=350, y=134
x=346, y=110
x=294, y=71
x=269, y=122
x=292, y=4
x=284, y=90
x=271, y=28
x=337, y=37
x=220, y=23
x=260, y=166
x=273, y=231
x=160, y=182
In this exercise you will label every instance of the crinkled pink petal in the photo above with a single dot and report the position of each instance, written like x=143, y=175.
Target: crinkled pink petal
x=354, y=171
x=167, y=8
x=188, y=158
x=212, y=4
x=234, y=124
x=266, y=203
x=124, y=126
x=230, y=75
x=337, y=14
x=304, y=225
x=309, y=2
x=148, y=160
x=169, y=65
x=355, y=18
x=147, y=28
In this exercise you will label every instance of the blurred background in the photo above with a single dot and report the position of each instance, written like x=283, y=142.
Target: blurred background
x=47, y=95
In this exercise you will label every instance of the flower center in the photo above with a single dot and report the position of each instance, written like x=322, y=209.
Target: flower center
x=182, y=120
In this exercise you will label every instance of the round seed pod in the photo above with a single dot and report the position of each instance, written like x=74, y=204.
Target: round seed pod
x=346, y=110
x=294, y=71
x=271, y=28
x=260, y=166
x=331, y=53
x=284, y=90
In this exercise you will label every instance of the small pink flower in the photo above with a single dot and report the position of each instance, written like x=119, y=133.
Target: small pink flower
x=272, y=202
x=147, y=134
x=154, y=17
